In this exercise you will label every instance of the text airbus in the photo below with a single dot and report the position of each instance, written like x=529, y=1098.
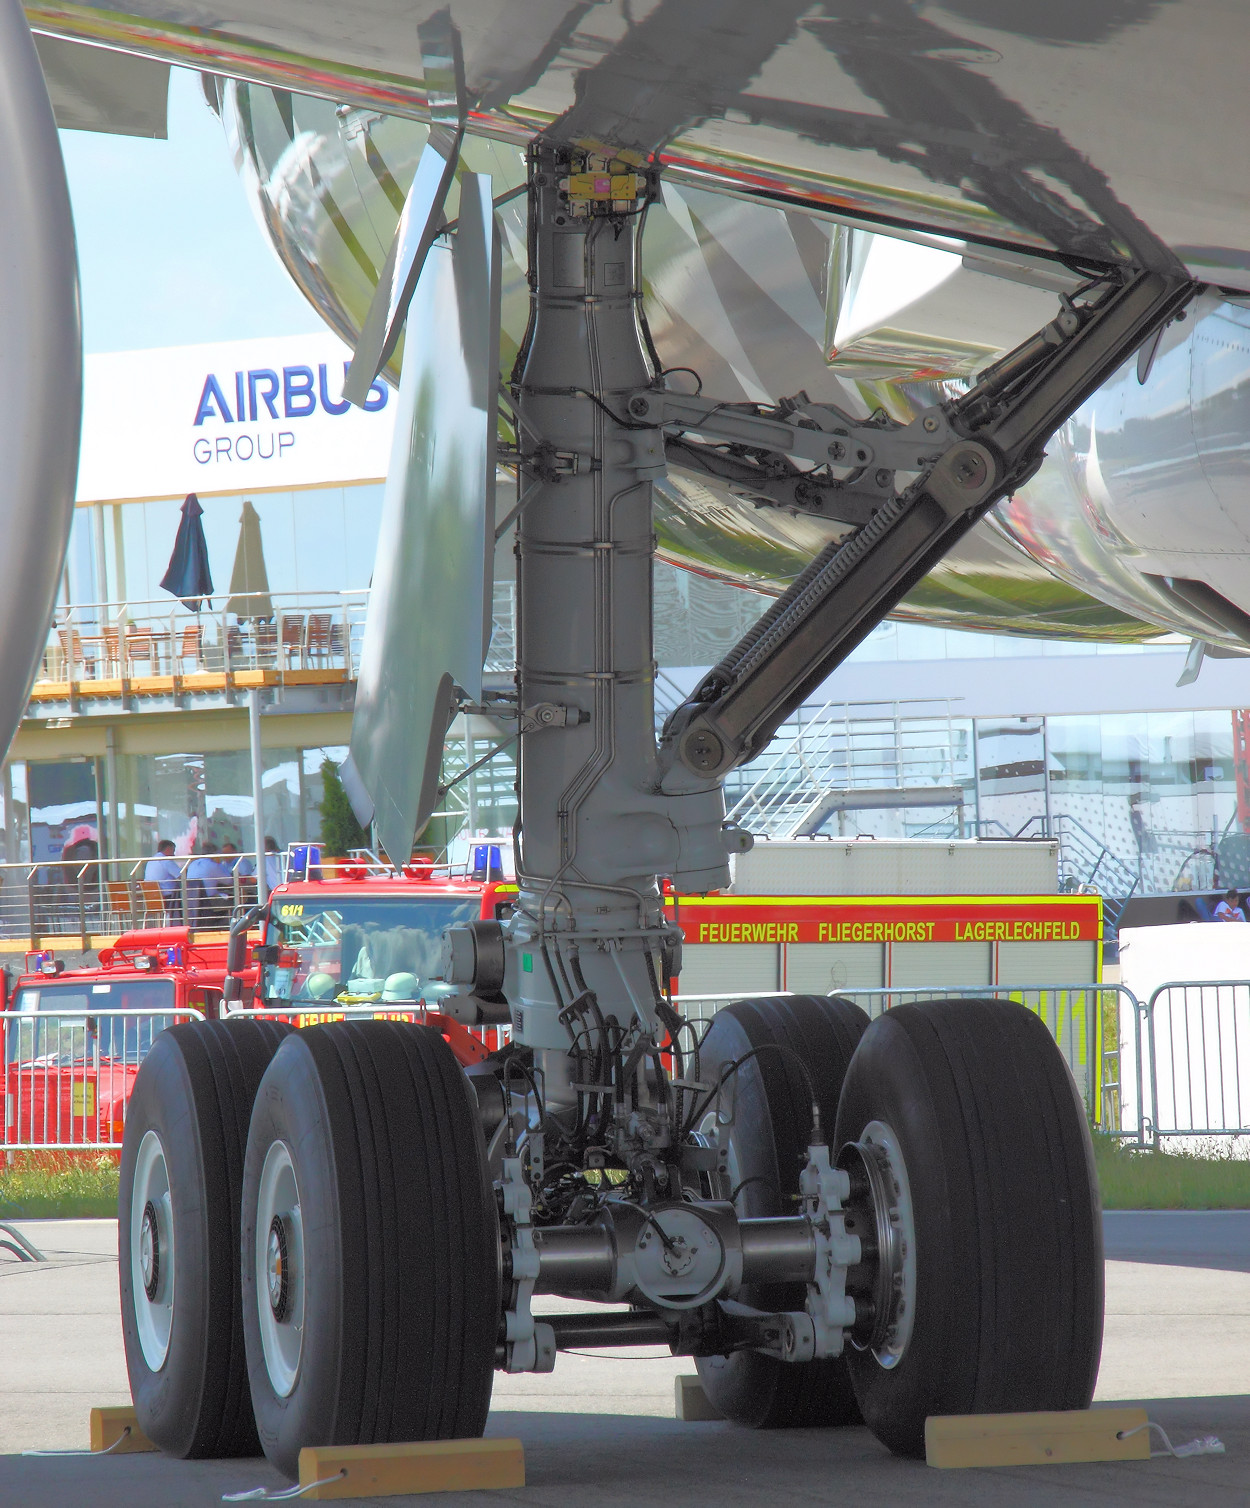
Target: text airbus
x=262, y=392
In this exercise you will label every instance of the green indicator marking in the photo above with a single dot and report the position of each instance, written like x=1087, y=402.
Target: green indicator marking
x=527, y=962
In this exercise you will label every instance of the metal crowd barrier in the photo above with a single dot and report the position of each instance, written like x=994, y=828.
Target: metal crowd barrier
x=1078, y=1016
x=1197, y=1039
x=1177, y=1066
x=68, y=1074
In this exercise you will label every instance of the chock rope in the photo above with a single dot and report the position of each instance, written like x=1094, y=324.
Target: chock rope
x=1205, y=1445
x=264, y=1495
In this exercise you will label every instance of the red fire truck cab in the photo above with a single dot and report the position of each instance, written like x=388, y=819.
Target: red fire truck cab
x=72, y=1039
x=365, y=939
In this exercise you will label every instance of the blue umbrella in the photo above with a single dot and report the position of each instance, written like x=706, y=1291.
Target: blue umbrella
x=187, y=574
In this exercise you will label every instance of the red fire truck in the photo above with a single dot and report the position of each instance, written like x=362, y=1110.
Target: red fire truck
x=72, y=1040
x=368, y=939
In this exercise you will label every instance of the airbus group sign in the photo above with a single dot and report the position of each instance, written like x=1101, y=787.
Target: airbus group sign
x=244, y=416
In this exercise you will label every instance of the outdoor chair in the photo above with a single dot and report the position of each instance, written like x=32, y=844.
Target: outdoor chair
x=265, y=637
x=338, y=645
x=141, y=646
x=112, y=641
x=79, y=665
x=151, y=903
x=190, y=644
x=119, y=907
x=317, y=644
x=55, y=665
x=292, y=639
x=236, y=654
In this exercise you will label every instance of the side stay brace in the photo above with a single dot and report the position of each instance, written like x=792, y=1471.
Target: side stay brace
x=969, y=453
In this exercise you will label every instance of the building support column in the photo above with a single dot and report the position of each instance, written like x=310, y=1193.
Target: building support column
x=258, y=792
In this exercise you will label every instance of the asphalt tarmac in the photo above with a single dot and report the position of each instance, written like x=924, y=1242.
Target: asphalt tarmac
x=600, y=1431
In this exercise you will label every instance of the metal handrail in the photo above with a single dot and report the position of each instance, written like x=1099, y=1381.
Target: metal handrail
x=57, y=899
x=104, y=641
x=849, y=746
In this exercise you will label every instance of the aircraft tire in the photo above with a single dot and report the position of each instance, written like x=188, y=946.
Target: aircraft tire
x=768, y=1146
x=1000, y=1203
x=178, y=1235
x=371, y=1257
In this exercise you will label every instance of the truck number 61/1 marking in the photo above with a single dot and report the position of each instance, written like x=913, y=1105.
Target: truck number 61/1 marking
x=292, y=911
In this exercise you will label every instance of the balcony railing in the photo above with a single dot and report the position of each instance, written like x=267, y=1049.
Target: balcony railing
x=89, y=900
x=112, y=648
x=108, y=648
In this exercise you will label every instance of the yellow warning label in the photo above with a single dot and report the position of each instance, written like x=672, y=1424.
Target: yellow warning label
x=82, y=1098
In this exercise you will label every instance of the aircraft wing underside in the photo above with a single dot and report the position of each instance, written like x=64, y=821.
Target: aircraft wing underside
x=1006, y=149
x=1102, y=133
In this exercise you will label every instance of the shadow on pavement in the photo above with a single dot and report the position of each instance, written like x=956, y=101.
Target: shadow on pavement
x=621, y=1461
x=1180, y=1238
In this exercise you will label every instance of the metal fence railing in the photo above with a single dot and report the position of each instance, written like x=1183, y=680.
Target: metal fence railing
x=1076, y=1015
x=100, y=642
x=1084, y=1020
x=88, y=900
x=1177, y=1066
x=93, y=898
x=68, y=1074
x=1197, y=1060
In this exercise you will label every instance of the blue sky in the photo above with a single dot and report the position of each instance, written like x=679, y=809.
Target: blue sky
x=169, y=250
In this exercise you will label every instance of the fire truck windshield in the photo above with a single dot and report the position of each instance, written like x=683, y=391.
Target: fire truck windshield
x=67, y=1030
x=360, y=949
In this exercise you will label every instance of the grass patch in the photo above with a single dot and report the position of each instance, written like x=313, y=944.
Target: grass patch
x=68, y=1185
x=58, y=1186
x=1137, y=1180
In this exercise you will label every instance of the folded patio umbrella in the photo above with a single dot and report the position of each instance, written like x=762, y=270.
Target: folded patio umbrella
x=249, y=580
x=187, y=574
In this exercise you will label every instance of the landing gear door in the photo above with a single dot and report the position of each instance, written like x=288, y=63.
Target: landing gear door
x=429, y=611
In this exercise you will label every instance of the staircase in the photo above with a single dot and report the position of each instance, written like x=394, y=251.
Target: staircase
x=853, y=756
x=1084, y=859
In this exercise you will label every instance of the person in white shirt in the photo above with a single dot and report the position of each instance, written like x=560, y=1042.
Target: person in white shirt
x=1229, y=909
x=209, y=881
x=207, y=870
x=244, y=867
x=164, y=870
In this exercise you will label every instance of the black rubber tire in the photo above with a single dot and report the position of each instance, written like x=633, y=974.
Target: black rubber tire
x=1008, y=1227
x=773, y=1121
x=402, y=1256
x=195, y=1089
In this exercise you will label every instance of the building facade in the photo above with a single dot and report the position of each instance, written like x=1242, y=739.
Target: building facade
x=138, y=728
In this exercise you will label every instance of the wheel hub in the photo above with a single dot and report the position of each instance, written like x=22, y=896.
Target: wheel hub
x=277, y=1270
x=149, y=1251
x=880, y=1213
x=153, y=1247
x=280, y=1268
